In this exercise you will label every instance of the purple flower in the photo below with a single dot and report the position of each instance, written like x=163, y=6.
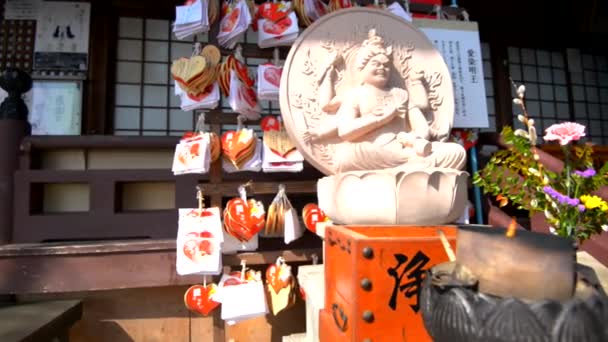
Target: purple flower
x=550, y=191
x=590, y=172
x=581, y=208
x=561, y=198
x=573, y=201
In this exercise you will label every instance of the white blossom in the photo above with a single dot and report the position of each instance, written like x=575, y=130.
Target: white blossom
x=530, y=122
x=553, y=231
x=532, y=133
x=517, y=101
x=533, y=171
x=605, y=227
x=521, y=90
x=521, y=133
x=521, y=118
x=548, y=215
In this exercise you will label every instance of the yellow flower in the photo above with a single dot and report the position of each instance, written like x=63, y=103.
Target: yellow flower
x=592, y=202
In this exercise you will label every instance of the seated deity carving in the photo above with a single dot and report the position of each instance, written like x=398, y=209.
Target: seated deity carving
x=381, y=126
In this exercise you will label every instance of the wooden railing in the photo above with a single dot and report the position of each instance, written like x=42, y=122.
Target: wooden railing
x=106, y=217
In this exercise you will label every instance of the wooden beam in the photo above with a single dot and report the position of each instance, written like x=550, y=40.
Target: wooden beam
x=98, y=115
x=502, y=85
x=78, y=267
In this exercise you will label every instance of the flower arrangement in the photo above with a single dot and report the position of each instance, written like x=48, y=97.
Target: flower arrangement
x=566, y=198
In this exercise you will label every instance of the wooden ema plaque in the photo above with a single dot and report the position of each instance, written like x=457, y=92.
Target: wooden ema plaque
x=373, y=276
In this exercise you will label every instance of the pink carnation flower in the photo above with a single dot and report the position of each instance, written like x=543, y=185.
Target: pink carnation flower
x=564, y=132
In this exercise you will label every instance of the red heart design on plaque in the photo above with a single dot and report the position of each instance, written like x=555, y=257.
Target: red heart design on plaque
x=194, y=149
x=229, y=22
x=232, y=282
x=277, y=277
x=272, y=75
x=199, y=213
x=311, y=215
x=234, y=144
x=243, y=73
x=270, y=123
x=234, y=278
x=248, y=96
x=244, y=219
x=272, y=11
x=198, y=298
x=202, y=95
x=198, y=246
x=277, y=28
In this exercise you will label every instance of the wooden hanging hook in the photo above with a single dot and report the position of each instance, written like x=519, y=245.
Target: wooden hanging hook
x=243, y=269
x=240, y=120
x=249, y=184
x=200, y=198
x=197, y=49
x=243, y=189
x=276, y=59
x=281, y=190
x=238, y=53
x=200, y=123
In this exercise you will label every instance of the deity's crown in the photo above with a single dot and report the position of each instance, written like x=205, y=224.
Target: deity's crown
x=373, y=45
x=373, y=40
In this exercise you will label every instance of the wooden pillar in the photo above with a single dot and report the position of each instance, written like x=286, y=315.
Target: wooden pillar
x=13, y=127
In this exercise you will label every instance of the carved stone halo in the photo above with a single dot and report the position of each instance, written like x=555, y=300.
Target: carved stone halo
x=334, y=40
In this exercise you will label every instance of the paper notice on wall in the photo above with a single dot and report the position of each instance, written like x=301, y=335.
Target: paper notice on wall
x=62, y=36
x=56, y=107
x=21, y=9
x=459, y=44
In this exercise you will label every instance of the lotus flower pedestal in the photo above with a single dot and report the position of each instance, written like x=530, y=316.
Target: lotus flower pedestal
x=431, y=196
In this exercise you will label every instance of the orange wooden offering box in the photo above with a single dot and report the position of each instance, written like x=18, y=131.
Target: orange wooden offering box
x=372, y=281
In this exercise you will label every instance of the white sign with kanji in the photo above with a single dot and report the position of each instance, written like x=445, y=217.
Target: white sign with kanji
x=458, y=42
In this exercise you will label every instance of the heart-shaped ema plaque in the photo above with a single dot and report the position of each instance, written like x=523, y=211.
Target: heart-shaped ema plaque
x=186, y=70
x=273, y=11
x=199, y=298
x=272, y=75
x=311, y=215
x=279, y=142
x=244, y=219
x=276, y=28
x=238, y=147
x=278, y=276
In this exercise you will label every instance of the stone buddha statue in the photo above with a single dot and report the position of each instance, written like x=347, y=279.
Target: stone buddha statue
x=368, y=100
x=381, y=126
